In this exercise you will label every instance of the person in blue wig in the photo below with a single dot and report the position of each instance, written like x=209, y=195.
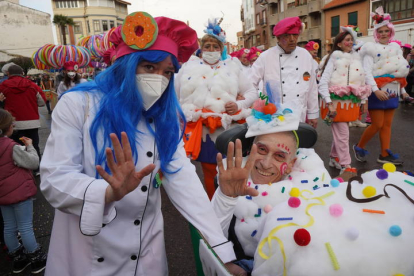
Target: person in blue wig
x=106, y=192
x=215, y=94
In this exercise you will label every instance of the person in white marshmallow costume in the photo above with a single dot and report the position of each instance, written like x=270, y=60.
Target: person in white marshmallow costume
x=214, y=93
x=343, y=80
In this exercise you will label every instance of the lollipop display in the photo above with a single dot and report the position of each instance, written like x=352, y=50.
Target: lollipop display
x=52, y=56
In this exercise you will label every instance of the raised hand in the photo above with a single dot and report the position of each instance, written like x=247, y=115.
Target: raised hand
x=233, y=180
x=124, y=178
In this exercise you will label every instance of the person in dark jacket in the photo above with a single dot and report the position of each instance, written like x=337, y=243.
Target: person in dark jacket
x=17, y=187
x=22, y=98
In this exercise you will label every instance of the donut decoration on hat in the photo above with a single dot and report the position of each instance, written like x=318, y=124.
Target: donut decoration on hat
x=139, y=30
x=316, y=46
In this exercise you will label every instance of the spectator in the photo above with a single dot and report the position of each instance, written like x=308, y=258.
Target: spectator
x=22, y=98
x=5, y=71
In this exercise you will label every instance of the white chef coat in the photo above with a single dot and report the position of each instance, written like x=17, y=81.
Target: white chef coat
x=287, y=71
x=126, y=237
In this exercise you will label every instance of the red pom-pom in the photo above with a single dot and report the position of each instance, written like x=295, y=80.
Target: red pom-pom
x=269, y=109
x=302, y=237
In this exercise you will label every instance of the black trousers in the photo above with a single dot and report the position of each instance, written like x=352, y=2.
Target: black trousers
x=32, y=133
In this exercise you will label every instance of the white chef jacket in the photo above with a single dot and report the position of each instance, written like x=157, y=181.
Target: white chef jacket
x=126, y=237
x=287, y=70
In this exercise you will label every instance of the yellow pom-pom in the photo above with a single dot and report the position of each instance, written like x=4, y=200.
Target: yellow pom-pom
x=389, y=167
x=281, y=118
x=295, y=192
x=369, y=191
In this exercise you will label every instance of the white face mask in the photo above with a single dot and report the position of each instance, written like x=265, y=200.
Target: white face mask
x=211, y=57
x=151, y=87
x=71, y=75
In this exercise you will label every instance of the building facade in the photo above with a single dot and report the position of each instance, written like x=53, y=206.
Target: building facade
x=342, y=13
x=23, y=30
x=309, y=11
x=91, y=17
x=248, y=21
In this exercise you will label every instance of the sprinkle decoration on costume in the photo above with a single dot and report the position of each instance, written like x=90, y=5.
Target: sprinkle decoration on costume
x=352, y=233
x=294, y=202
x=373, y=211
x=336, y=210
x=55, y=56
x=157, y=182
x=332, y=256
x=389, y=167
x=382, y=174
x=139, y=30
x=369, y=191
x=335, y=183
x=294, y=192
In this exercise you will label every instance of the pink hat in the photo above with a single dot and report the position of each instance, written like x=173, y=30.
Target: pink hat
x=312, y=45
x=406, y=45
x=289, y=25
x=254, y=52
x=71, y=65
x=142, y=32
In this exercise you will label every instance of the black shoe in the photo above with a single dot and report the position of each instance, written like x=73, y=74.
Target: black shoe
x=391, y=158
x=20, y=260
x=38, y=260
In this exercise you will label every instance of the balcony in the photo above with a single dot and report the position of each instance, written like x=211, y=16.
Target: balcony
x=297, y=11
x=314, y=6
x=310, y=34
x=263, y=22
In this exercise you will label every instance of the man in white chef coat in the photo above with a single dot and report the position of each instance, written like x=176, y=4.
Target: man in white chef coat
x=289, y=70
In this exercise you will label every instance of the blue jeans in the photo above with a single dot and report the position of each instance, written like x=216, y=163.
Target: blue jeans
x=19, y=217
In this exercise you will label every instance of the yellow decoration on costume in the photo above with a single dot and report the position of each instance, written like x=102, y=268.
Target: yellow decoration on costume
x=139, y=30
x=295, y=192
x=369, y=191
x=281, y=118
x=389, y=167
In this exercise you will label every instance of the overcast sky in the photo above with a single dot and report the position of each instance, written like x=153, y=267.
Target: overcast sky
x=196, y=12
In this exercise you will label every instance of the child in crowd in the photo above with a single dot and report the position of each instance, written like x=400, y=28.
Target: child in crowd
x=17, y=187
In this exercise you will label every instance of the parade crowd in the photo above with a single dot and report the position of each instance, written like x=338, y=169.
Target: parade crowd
x=161, y=104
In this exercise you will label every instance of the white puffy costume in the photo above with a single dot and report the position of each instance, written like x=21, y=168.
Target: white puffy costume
x=293, y=77
x=202, y=86
x=125, y=237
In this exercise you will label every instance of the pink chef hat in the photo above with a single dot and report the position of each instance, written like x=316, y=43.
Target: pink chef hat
x=140, y=31
x=406, y=45
x=312, y=45
x=71, y=65
x=254, y=52
x=289, y=25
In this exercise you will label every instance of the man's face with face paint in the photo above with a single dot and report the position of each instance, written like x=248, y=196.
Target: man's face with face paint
x=288, y=42
x=275, y=158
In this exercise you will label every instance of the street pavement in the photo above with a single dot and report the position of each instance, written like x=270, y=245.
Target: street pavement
x=177, y=234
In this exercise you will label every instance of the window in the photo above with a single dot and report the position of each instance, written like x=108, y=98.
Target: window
x=104, y=25
x=334, y=25
x=271, y=30
x=258, y=40
x=264, y=16
x=273, y=8
x=257, y=18
x=78, y=28
x=96, y=26
x=111, y=24
x=254, y=40
x=88, y=26
x=353, y=18
x=398, y=9
x=61, y=4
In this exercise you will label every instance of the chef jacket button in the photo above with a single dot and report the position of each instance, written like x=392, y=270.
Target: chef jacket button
x=283, y=68
x=137, y=222
x=280, y=55
x=150, y=120
x=297, y=68
x=297, y=82
x=284, y=95
x=100, y=260
x=149, y=154
x=296, y=57
x=134, y=257
x=297, y=95
x=283, y=81
x=144, y=188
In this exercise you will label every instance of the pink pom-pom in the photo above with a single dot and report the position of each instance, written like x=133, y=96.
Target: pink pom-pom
x=336, y=210
x=264, y=194
x=294, y=202
x=268, y=208
x=259, y=104
x=340, y=179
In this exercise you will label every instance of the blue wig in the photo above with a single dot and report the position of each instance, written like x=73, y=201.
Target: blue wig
x=121, y=109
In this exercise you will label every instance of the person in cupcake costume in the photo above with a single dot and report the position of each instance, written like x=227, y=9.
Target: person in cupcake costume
x=343, y=81
x=386, y=70
x=114, y=142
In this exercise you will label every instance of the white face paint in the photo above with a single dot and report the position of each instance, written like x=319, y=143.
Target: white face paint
x=151, y=87
x=211, y=57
